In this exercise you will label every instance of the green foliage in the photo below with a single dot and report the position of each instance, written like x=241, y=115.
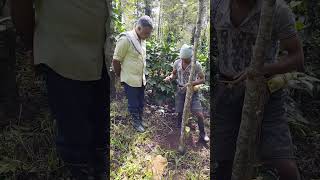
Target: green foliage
x=162, y=52
x=117, y=16
x=160, y=59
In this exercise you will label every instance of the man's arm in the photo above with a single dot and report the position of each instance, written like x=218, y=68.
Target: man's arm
x=172, y=76
x=293, y=61
x=116, y=67
x=22, y=13
x=120, y=52
x=285, y=31
x=200, y=80
x=200, y=74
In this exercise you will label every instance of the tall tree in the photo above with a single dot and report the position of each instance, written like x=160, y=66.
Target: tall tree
x=109, y=44
x=193, y=33
x=147, y=7
x=189, y=93
x=159, y=20
x=256, y=96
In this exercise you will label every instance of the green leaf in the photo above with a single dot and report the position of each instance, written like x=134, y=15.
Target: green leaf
x=187, y=129
x=294, y=3
x=162, y=88
x=299, y=25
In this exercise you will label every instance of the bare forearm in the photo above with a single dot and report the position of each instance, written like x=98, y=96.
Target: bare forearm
x=286, y=64
x=116, y=67
x=197, y=82
x=23, y=17
x=173, y=76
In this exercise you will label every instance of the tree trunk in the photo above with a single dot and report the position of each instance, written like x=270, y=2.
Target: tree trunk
x=193, y=34
x=183, y=15
x=147, y=7
x=189, y=93
x=137, y=9
x=109, y=46
x=256, y=96
x=159, y=21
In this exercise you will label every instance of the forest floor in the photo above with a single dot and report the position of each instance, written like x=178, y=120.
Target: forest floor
x=136, y=155
x=27, y=149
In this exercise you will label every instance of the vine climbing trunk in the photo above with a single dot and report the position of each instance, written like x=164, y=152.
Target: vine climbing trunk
x=256, y=96
x=189, y=93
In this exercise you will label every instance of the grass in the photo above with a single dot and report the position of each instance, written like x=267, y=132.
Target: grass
x=131, y=152
x=27, y=150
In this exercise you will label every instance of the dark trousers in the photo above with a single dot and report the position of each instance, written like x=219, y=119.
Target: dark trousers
x=82, y=120
x=135, y=96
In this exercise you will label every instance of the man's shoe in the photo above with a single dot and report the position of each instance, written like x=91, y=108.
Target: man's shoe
x=136, y=122
x=138, y=127
x=204, y=138
x=141, y=120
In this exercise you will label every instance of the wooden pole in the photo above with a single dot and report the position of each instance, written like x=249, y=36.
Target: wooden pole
x=189, y=93
x=256, y=96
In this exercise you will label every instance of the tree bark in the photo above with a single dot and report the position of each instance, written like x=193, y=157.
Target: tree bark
x=193, y=34
x=256, y=96
x=147, y=7
x=189, y=93
x=159, y=20
x=109, y=46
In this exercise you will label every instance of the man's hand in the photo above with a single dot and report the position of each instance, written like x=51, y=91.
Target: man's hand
x=187, y=85
x=241, y=77
x=248, y=73
x=167, y=79
x=292, y=62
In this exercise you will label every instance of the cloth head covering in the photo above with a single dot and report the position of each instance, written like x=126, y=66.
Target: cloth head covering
x=186, y=52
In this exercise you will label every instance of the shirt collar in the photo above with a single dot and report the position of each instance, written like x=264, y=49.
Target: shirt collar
x=137, y=37
x=135, y=34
